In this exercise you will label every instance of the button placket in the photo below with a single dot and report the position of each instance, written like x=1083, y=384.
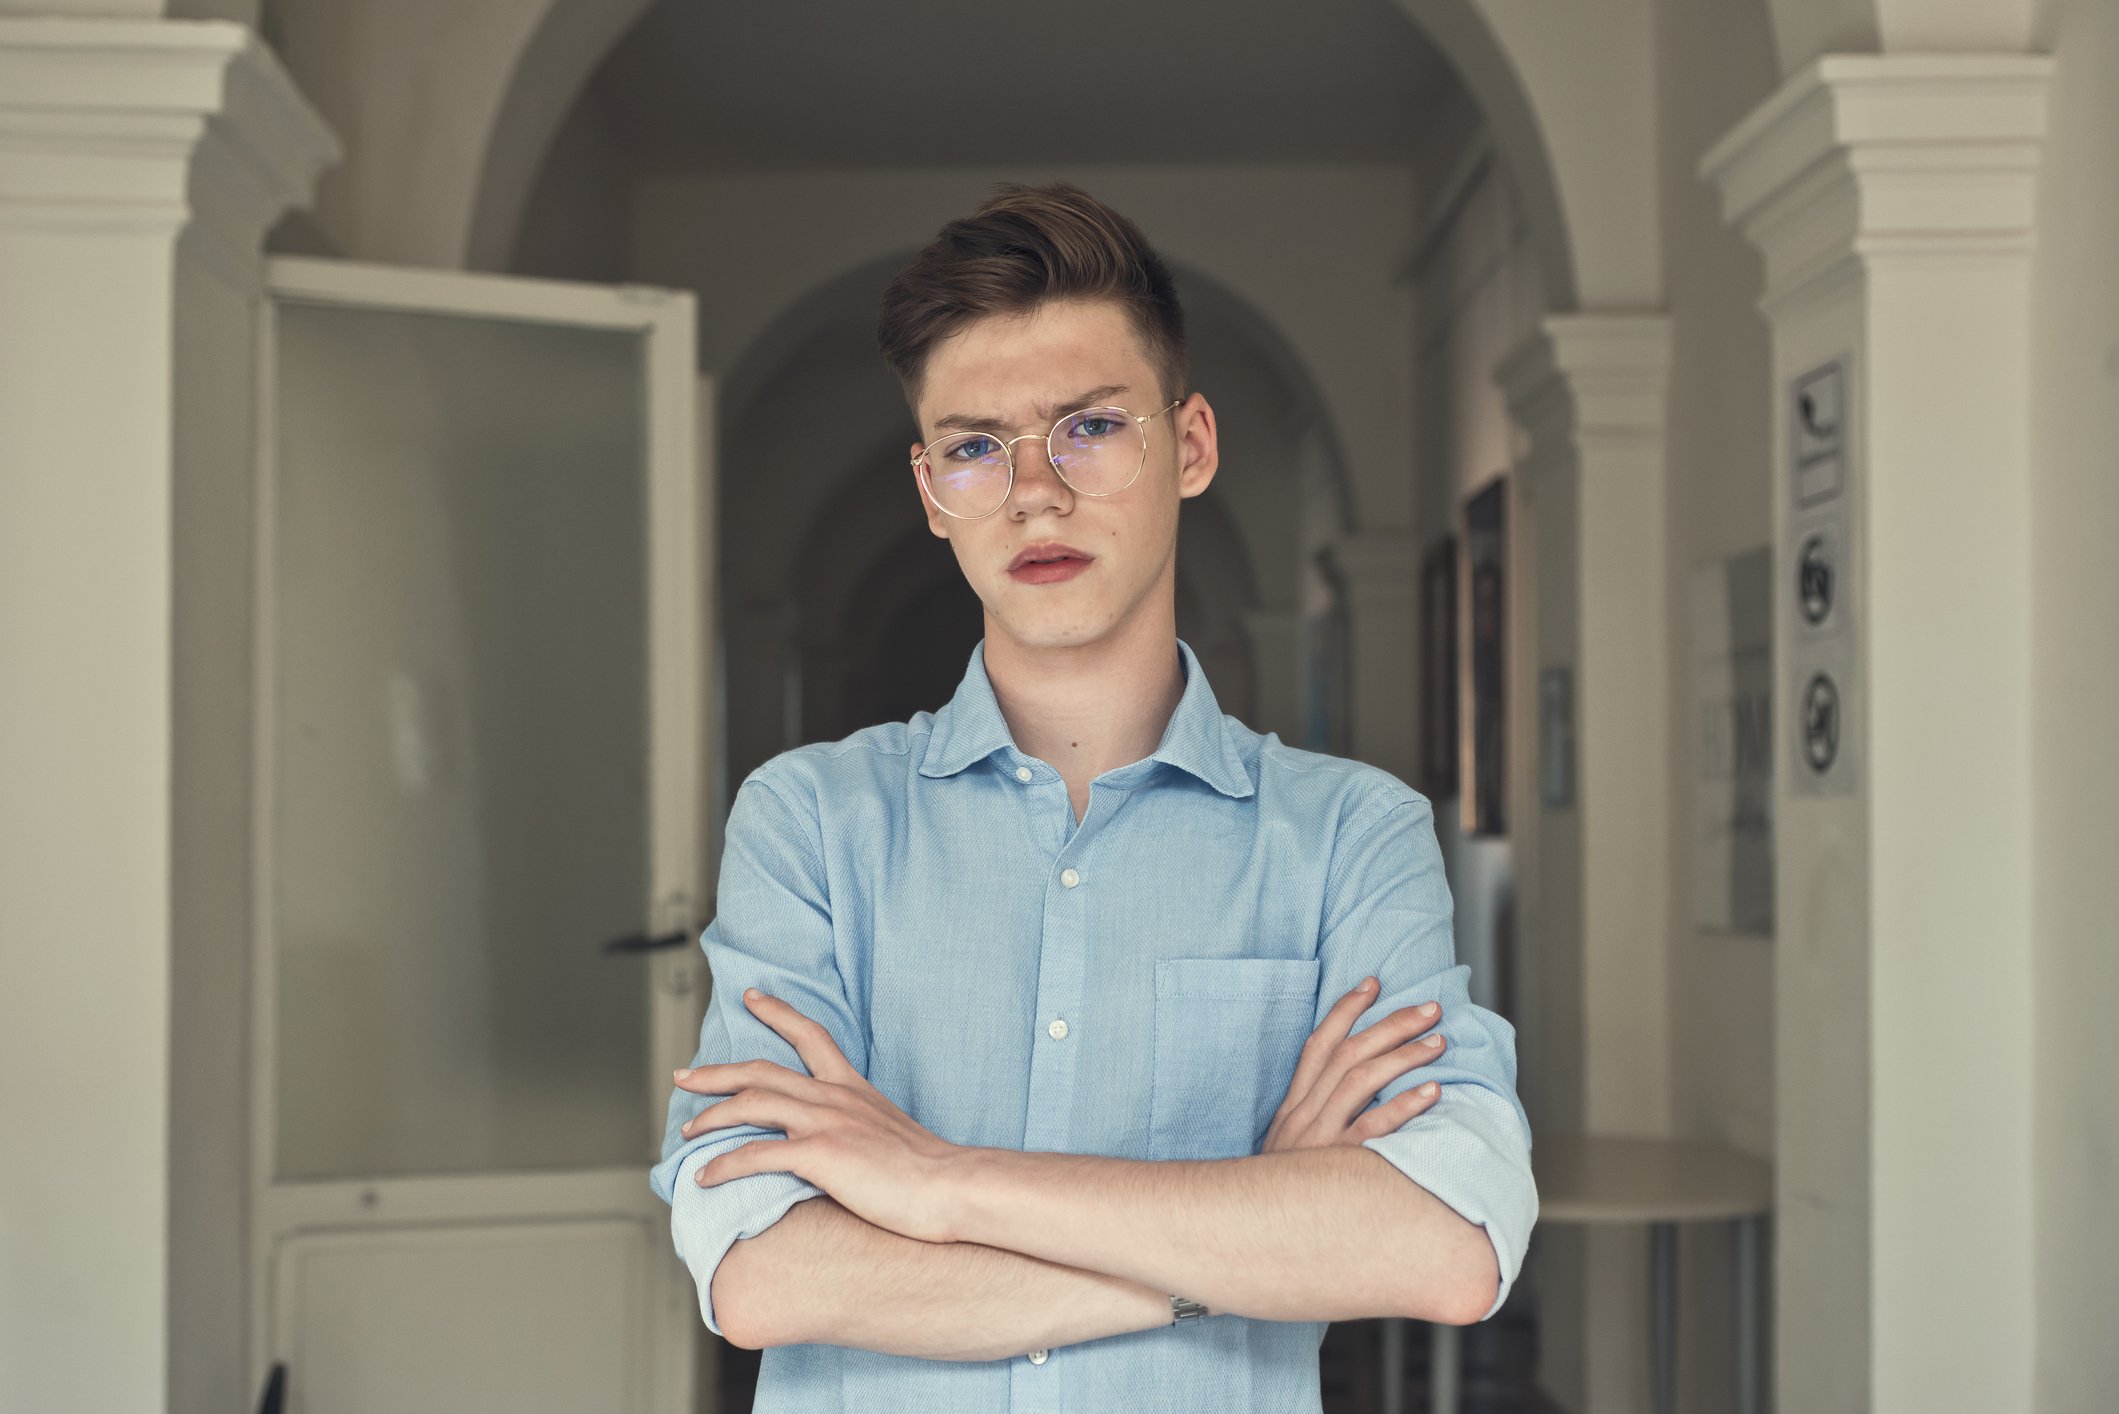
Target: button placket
x=1049, y=1121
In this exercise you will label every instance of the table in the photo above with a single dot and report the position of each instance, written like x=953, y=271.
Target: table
x=1658, y=1183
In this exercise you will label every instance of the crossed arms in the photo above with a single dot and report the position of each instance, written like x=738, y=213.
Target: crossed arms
x=861, y=1228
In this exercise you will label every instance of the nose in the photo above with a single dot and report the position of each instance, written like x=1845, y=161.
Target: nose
x=1037, y=481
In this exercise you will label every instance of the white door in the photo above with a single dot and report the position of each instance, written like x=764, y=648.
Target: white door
x=481, y=680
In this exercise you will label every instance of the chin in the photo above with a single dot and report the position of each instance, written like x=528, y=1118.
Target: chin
x=1050, y=630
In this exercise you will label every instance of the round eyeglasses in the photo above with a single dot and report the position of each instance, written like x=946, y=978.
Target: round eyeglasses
x=1096, y=451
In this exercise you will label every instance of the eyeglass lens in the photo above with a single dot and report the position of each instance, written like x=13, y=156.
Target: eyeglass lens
x=1097, y=451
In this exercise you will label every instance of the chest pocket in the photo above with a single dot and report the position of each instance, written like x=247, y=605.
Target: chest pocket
x=1227, y=1034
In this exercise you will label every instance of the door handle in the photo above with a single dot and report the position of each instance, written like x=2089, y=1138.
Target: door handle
x=652, y=942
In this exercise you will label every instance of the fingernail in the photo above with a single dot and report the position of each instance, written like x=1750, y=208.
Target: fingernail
x=1427, y=1091
x=1428, y=1010
x=750, y=994
x=1432, y=1042
x=682, y=1074
x=1368, y=984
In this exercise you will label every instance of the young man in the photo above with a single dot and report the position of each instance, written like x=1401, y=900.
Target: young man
x=1057, y=1000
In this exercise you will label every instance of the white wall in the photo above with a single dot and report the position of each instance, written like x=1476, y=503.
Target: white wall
x=1715, y=66
x=2075, y=703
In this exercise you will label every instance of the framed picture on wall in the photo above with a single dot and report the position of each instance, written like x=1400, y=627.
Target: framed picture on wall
x=1485, y=785
x=1438, y=670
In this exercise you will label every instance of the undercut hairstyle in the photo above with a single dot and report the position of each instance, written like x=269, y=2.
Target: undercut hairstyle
x=1024, y=246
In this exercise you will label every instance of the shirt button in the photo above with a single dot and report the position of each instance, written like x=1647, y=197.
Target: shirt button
x=1022, y=773
x=1069, y=878
x=1037, y=1357
x=1057, y=1030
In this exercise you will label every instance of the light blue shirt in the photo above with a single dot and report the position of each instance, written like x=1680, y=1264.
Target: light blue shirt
x=923, y=890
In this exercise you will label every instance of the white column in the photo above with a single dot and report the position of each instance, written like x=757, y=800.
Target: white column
x=1378, y=575
x=1589, y=393
x=1891, y=197
x=140, y=165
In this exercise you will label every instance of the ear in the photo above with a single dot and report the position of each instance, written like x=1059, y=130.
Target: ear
x=937, y=523
x=1198, y=445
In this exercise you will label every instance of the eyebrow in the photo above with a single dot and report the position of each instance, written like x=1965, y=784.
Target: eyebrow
x=1053, y=412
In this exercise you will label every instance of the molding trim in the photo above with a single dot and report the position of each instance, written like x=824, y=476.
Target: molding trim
x=155, y=127
x=1586, y=384
x=1859, y=159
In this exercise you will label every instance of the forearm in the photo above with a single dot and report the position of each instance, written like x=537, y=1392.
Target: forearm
x=1325, y=1234
x=822, y=1274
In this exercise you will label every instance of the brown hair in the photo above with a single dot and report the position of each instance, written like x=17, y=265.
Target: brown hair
x=1023, y=246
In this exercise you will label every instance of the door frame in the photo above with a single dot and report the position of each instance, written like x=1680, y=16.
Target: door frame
x=678, y=558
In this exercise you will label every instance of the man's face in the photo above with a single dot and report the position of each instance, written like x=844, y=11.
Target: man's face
x=1011, y=375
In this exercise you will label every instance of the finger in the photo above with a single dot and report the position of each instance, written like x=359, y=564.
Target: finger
x=811, y=1039
x=768, y=1109
x=1368, y=1079
x=754, y=1156
x=1329, y=1033
x=728, y=1077
x=1364, y=1046
x=1386, y=1117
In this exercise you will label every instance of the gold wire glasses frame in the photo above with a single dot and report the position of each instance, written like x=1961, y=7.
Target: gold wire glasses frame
x=924, y=469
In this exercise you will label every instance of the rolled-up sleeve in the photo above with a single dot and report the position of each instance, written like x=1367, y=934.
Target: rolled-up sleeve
x=772, y=930
x=1388, y=914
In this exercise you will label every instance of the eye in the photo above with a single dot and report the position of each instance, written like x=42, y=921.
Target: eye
x=1095, y=425
x=971, y=449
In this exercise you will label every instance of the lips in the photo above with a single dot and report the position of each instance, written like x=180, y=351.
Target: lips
x=1046, y=552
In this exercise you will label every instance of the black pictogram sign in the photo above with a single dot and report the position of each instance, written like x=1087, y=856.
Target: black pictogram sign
x=1820, y=723
x=1816, y=581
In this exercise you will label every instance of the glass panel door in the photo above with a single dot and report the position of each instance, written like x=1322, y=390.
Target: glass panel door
x=461, y=813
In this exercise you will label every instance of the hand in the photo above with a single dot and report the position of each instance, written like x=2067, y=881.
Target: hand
x=1337, y=1075
x=843, y=1135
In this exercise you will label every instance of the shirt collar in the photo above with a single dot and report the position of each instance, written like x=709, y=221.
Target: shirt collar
x=970, y=728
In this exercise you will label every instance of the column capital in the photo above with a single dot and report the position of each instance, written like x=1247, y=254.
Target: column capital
x=188, y=127
x=1586, y=382
x=1375, y=567
x=1860, y=158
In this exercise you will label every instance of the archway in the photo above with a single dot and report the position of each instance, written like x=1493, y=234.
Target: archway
x=825, y=554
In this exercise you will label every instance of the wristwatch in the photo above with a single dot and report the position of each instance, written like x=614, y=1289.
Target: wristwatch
x=1182, y=1308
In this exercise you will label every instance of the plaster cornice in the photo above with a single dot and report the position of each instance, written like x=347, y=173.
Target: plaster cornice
x=1587, y=383
x=153, y=126
x=1861, y=158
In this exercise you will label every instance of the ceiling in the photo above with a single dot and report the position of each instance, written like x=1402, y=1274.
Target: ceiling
x=717, y=86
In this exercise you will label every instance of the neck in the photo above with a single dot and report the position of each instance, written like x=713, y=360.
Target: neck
x=1090, y=708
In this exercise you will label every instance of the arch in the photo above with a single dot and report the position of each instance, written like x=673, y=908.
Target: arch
x=1568, y=92
x=849, y=299
x=566, y=48
x=445, y=113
